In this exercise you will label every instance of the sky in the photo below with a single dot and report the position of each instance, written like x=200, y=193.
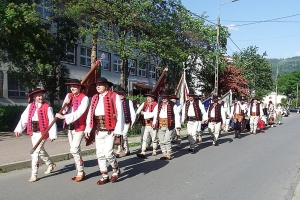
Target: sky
x=279, y=37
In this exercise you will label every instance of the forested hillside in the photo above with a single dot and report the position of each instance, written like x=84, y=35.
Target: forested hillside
x=285, y=66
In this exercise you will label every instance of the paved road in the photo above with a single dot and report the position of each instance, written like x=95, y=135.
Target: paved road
x=258, y=167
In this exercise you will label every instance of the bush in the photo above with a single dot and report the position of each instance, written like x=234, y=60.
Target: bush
x=9, y=117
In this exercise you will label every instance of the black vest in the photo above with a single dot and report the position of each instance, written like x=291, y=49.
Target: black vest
x=126, y=109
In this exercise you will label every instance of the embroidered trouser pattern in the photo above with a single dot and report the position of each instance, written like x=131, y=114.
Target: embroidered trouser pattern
x=39, y=152
x=164, y=136
x=214, y=130
x=125, y=138
x=146, y=132
x=253, y=123
x=104, y=151
x=75, y=139
x=192, y=128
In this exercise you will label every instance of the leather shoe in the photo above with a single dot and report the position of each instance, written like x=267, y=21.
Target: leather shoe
x=168, y=157
x=191, y=150
x=127, y=153
x=50, y=168
x=141, y=155
x=114, y=178
x=33, y=179
x=79, y=178
x=102, y=181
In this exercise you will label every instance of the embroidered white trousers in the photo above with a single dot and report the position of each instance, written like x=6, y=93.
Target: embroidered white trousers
x=146, y=132
x=192, y=128
x=39, y=152
x=104, y=150
x=75, y=139
x=125, y=137
x=214, y=130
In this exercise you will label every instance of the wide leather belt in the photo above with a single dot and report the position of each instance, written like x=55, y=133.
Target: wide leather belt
x=100, y=123
x=71, y=127
x=254, y=114
x=212, y=119
x=163, y=122
x=35, y=126
x=192, y=118
x=148, y=122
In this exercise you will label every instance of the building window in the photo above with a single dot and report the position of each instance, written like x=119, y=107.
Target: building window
x=70, y=55
x=132, y=64
x=152, y=71
x=105, y=63
x=14, y=88
x=117, y=63
x=43, y=9
x=142, y=69
x=85, y=56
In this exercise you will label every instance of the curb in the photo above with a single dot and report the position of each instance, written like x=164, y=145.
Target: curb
x=55, y=158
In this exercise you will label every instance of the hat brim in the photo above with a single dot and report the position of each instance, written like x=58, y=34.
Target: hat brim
x=165, y=96
x=150, y=95
x=120, y=92
x=37, y=91
x=110, y=84
x=82, y=86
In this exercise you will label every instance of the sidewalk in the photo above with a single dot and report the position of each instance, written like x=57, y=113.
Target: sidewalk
x=15, y=152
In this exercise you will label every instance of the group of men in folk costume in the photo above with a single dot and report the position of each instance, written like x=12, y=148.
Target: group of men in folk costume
x=102, y=121
x=109, y=115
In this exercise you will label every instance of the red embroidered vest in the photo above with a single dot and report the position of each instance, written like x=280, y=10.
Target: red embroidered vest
x=151, y=108
x=170, y=114
x=42, y=116
x=110, y=110
x=80, y=123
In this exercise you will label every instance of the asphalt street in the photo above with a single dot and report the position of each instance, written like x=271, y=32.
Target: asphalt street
x=258, y=167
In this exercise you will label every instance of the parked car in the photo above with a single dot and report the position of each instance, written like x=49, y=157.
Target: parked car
x=285, y=112
x=296, y=110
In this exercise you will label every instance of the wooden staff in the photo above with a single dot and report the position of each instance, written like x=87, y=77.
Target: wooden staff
x=84, y=80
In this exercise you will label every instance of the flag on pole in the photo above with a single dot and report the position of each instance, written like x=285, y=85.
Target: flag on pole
x=227, y=99
x=182, y=90
x=161, y=83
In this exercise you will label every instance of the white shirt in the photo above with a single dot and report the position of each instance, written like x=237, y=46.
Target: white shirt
x=147, y=113
x=164, y=114
x=24, y=117
x=238, y=108
x=254, y=109
x=72, y=115
x=99, y=110
x=223, y=115
x=191, y=111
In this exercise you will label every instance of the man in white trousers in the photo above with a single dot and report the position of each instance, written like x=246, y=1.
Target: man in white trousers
x=147, y=114
x=106, y=117
x=36, y=118
x=129, y=118
x=166, y=119
x=216, y=119
x=75, y=119
x=254, y=112
x=193, y=112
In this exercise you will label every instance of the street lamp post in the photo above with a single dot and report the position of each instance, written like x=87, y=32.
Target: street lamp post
x=217, y=48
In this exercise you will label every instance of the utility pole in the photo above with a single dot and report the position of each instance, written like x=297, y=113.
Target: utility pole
x=276, y=86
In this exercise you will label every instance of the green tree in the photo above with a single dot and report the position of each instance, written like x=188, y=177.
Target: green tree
x=256, y=70
x=33, y=48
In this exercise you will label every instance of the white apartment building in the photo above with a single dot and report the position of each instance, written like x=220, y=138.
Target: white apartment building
x=142, y=77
